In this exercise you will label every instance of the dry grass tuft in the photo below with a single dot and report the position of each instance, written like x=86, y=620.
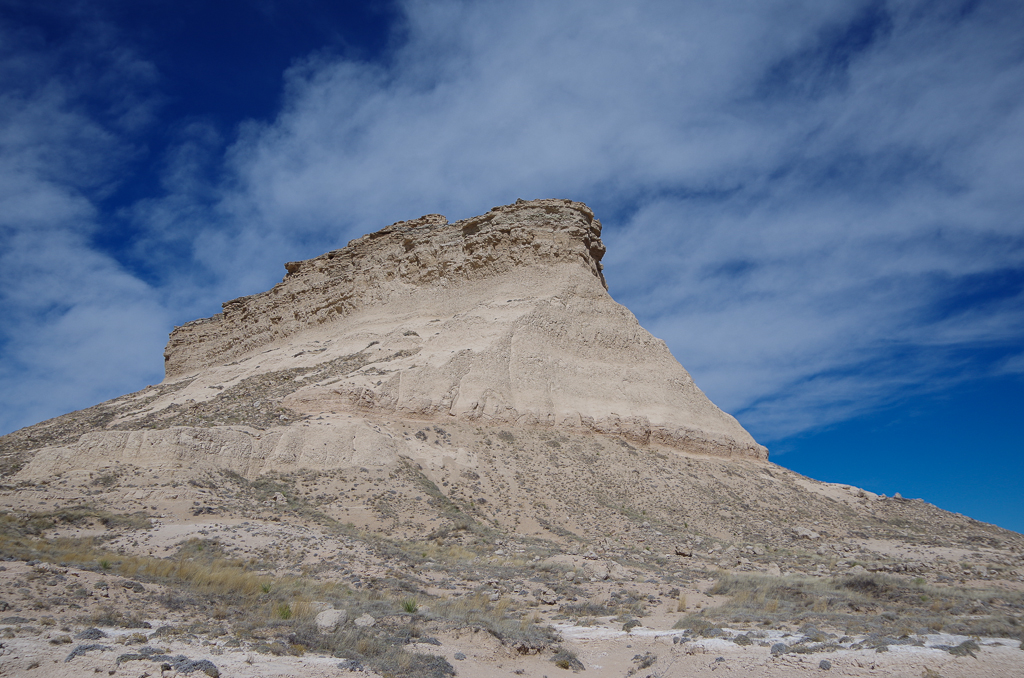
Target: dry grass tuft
x=895, y=605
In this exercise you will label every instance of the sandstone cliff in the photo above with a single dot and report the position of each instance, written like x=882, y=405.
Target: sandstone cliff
x=391, y=268
x=503, y=317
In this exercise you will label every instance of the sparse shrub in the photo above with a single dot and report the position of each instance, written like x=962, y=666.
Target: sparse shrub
x=567, y=659
x=586, y=609
x=694, y=622
x=106, y=480
x=410, y=605
x=968, y=647
x=869, y=584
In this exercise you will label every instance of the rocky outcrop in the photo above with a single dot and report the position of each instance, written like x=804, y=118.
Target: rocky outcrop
x=503, y=318
x=395, y=261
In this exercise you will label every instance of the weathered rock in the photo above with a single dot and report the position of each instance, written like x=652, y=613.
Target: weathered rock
x=365, y=621
x=805, y=533
x=502, y=319
x=529, y=272
x=617, y=572
x=329, y=621
x=596, y=571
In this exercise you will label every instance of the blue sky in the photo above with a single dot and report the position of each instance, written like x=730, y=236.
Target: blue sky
x=818, y=206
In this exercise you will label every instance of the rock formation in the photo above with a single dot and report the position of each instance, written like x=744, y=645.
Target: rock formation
x=499, y=319
x=503, y=317
x=459, y=416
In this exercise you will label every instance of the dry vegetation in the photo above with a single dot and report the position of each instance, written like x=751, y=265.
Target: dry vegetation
x=247, y=563
x=271, y=613
x=866, y=604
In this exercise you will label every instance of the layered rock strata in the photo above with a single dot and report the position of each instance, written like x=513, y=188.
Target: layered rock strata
x=503, y=317
x=400, y=260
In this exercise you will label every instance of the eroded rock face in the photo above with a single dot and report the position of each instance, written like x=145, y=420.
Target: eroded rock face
x=424, y=254
x=502, y=318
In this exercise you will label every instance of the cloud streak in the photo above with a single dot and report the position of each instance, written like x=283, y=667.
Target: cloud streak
x=798, y=197
x=77, y=327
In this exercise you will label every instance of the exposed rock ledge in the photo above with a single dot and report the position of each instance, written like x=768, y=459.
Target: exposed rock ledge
x=395, y=260
x=503, y=318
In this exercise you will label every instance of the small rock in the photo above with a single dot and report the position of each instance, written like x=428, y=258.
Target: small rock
x=570, y=575
x=684, y=551
x=459, y=656
x=596, y=571
x=805, y=533
x=825, y=665
x=774, y=570
x=328, y=621
x=779, y=648
x=365, y=621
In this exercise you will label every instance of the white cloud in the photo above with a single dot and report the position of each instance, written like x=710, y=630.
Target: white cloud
x=77, y=327
x=792, y=190
x=794, y=193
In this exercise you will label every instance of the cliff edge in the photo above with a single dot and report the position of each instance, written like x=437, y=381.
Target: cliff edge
x=504, y=317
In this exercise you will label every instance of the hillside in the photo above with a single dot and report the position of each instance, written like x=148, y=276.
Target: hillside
x=451, y=432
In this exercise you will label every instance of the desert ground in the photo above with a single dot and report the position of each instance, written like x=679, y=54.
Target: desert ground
x=500, y=569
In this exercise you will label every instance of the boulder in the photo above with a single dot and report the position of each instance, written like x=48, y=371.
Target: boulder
x=329, y=621
x=596, y=571
x=617, y=572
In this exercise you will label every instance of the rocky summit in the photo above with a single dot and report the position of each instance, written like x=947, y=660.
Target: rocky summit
x=444, y=448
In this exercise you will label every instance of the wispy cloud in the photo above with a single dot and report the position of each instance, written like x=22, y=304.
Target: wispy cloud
x=816, y=205
x=77, y=327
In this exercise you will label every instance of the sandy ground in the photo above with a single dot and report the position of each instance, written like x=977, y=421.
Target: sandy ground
x=602, y=650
